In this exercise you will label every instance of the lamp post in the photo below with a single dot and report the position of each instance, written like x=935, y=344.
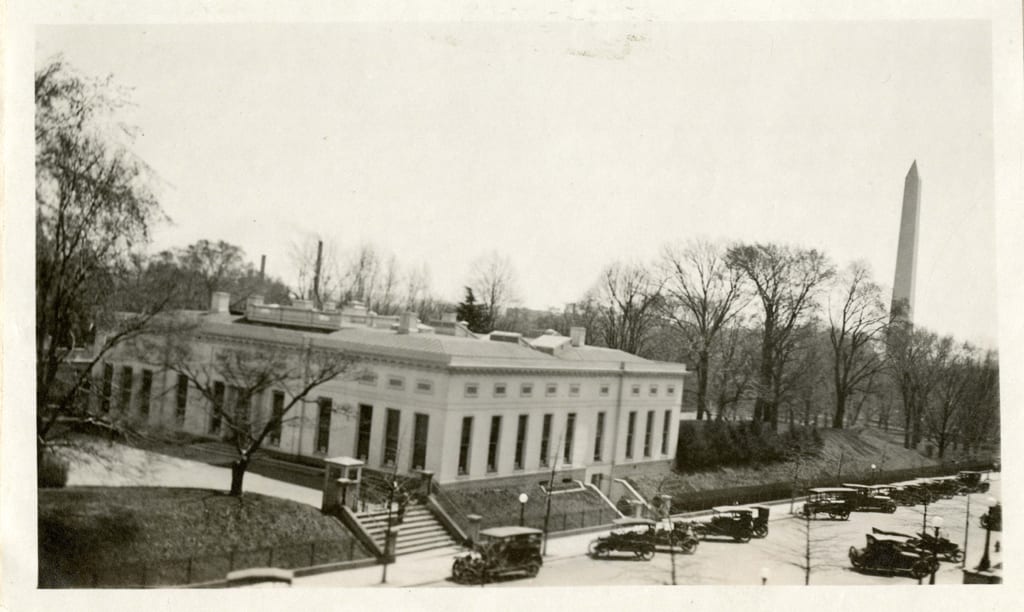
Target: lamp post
x=985, y=562
x=523, y=498
x=765, y=574
x=937, y=524
x=874, y=473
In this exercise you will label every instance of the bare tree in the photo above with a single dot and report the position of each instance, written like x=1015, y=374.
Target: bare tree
x=857, y=323
x=909, y=358
x=702, y=296
x=495, y=284
x=236, y=379
x=787, y=281
x=732, y=375
x=93, y=210
x=629, y=301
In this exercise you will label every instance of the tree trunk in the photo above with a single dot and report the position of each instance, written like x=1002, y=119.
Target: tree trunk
x=238, y=469
x=840, y=415
x=702, y=384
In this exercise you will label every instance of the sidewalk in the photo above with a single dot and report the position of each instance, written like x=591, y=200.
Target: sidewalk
x=434, y=566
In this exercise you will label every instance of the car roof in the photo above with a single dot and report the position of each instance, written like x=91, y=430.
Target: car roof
x=831, y=490
x=886, y=538
x=631, y=520
x=505, y=532
x=731, y=509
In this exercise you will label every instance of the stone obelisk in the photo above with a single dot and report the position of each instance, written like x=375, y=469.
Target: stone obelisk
x=906, y=255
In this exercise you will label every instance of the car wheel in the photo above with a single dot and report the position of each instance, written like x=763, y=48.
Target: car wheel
x=920, y=569
x=855, y=557
x=532, y=569
x=457, y=573
x=761, y=531
x=595, y=548
x=743, y=538
x=956, y=556
x=690, y=546
x=984, y=488
x=647, y=553
x=890, y=508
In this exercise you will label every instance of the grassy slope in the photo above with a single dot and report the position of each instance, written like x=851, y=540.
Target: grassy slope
x=859, y=448
x=104, y=527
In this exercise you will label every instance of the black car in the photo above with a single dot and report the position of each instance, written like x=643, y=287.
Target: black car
x=500, y=551
x=634, y=536
x=889, y=554
x=834, y=501
x=871, y=498
x=736, y=522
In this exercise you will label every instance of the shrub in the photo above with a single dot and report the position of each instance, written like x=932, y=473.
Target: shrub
x=709, y=444
x=53, y=471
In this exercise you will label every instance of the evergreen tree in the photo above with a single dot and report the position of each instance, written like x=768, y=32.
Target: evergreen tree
x=472, y=313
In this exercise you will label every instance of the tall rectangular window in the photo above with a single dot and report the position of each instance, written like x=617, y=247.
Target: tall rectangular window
x=464, y=438
x=391, y=422
x=570, y=431
x=323, y=424
x=664, y=432
x=108, y=387
x=420, y=429
x=599, y=436
x=145, y=392
x=181, y=398
x=492, y=444
x=218, y=407
x=545, y=439
x=648, y=429
x=363, y=432
x=126, y=388
x=276, y=414
x=521, y=440
x=630, y=434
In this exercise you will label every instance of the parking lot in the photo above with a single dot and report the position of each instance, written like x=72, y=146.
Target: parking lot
x=722, y=562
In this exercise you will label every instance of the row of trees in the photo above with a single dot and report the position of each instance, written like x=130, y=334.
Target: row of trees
x=784, y=331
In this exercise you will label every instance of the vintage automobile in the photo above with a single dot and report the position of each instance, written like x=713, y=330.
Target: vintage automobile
x=871, y=498
x=635, y=536
x=943, y=487
x=993, y=519
x=500, y=551
x=834, y=501
x=761, y=521
x=972, y=482
x=928, y=543
x=736, y=522
x=677, y=534
x=905, y=493
x=892, y=555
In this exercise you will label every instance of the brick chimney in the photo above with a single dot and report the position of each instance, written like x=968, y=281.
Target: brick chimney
x=220, y=302
x=578, y=336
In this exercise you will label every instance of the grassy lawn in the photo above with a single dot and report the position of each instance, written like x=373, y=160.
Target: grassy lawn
x=135, y=536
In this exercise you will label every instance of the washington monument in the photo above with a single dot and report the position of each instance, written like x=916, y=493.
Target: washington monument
x=906, y=255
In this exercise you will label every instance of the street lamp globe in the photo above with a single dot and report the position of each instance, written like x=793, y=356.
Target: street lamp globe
x=523, y=498
x=991, y=501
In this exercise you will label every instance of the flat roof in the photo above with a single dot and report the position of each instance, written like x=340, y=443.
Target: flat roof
x=832, y=490
x=732, y=509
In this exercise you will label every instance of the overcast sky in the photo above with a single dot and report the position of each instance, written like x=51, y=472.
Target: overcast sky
x=567, y=146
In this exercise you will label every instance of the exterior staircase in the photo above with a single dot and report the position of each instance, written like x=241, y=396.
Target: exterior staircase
x=419, y=530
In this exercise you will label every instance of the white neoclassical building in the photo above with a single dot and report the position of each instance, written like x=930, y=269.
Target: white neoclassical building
x=464, y=406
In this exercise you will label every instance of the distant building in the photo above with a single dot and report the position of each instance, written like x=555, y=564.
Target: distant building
x=437, y=397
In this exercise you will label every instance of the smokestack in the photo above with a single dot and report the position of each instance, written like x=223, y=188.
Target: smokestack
x=263, y=267
x=316, y=274
x=577, y=336
x=408, y=323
